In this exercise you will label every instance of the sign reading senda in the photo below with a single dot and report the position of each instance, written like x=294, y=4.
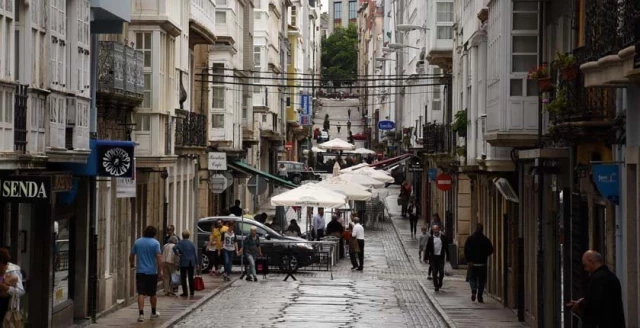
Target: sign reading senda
x=25, y=189
x=386, y=125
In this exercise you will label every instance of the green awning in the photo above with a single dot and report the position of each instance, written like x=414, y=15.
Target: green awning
x=246, y=168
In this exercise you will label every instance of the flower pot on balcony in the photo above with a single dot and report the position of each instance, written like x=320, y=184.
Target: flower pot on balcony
x=569, y=73
x=544, y=84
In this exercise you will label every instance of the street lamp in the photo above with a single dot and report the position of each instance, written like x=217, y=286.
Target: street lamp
x=409, y=27
x=401, y=46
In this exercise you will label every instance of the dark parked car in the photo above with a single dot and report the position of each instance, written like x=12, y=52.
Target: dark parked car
x=271, y=242
x=298, y=172
x=323, y=137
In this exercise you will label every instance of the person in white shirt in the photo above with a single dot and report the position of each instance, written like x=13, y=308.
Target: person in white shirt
x=437, y=251
x=357, y=232
x=318, y=224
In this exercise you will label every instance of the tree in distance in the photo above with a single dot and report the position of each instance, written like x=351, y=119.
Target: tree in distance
x=339, y=56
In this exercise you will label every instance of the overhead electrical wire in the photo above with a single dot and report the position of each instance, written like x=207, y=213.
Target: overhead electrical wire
x=295, y=79
x=315, y=74
x=317, y=86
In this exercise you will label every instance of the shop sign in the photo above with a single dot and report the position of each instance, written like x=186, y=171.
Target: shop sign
x=607, y=179
x=115, y=159
x=415, y=168
x=386, y=125
x=61, y=182
x=217, y=161
x=26, y=189
x=125, y=188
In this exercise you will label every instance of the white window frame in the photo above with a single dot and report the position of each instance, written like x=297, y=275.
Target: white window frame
x=218, y=84
x=142, y=37
x=7, y=35
x=257, y=67
x=521, y=75
x=84, y=47
x=57, y=121
x=37, y=129
x=217, y=118
x=221, y=17
x=58, y=53
x=444, y=24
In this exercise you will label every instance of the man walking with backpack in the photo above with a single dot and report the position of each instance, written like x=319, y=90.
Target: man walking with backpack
x=476, y=250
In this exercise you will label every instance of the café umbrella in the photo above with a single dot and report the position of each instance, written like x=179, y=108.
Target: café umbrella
x=309, y=195
x=375, y=174
x=351, y=190
x=361, y=179
x=336, y=144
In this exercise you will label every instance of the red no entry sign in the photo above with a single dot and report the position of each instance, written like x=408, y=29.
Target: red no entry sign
x=444, y=182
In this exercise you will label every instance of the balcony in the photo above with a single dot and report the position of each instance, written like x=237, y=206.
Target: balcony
x=582, y=113
x=201, y=22
x=438, y=139
x=120, y=76
x=610, y=36
x=191, y=129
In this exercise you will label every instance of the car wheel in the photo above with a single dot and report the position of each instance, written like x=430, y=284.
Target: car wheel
x=297, y=179
x=292, y=261
x=204, y=259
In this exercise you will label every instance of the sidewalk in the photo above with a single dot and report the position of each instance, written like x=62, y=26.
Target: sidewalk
x=453, y=300
x=172, y=308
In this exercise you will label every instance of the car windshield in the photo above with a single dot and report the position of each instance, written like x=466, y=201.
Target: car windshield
x=244, y=228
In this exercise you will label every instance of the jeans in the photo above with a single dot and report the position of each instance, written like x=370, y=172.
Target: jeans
x=437, y=264
x=228, y=261
x=413, y=223
x=186, y=273
x=251, y=265
x=477, y=279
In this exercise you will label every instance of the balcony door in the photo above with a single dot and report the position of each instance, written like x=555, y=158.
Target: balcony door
x=6, y=119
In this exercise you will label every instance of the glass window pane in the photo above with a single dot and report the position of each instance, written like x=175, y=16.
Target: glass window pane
x=525, y=44
x=522, y=63
x=147, y=59
x=445, y=32
x=515, y=87
x=221, y=17
x=61, y=262
x=147, y=40
x=525, y=21
x=532, y=88
x=139, y=41
x=525, y=6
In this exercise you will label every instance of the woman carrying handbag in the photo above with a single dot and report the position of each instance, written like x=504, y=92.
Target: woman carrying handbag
x=11, y=289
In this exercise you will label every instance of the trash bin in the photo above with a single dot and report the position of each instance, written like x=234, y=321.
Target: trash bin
x=453, y=255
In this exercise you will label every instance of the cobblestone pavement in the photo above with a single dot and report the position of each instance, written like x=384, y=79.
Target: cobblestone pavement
x=388, y=292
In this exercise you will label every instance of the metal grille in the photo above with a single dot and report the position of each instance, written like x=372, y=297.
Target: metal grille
x=610, y=26
x=438, y=138
x=191, y=129
x=20, y=114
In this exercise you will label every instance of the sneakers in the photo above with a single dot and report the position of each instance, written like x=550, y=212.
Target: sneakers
x=141, y=318
x=248, y=278
x=255, y=278
x=155, y=315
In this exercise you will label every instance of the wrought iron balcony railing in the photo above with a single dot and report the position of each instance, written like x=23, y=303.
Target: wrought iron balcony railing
x=438, y=138
x=574, y=103
x=120, y=71
x=20, y=119
x=610, y=26
x=191, y=129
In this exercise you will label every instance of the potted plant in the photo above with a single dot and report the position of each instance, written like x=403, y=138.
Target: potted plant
x=459, y=124
x=541, y=73
x=559, y=103
x=566, y=63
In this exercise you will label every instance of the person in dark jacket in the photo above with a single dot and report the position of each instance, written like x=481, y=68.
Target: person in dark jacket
x=601, y=305
x=335, y=228
x=188, y=254
x=476, y=250
x=437, y=250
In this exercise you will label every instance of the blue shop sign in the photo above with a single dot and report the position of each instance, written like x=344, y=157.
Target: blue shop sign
x=386, y=125
x=109, y=158
x=433, y=173
x=607, y=179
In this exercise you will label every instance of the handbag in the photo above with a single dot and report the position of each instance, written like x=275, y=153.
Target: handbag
x=13, y=318
x=198, y=283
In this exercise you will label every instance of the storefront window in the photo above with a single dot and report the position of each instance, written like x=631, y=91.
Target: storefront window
x=61, y=261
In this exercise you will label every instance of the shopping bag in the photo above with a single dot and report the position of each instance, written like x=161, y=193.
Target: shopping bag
x=448, y=270
x=198, y=283
x=13, y=318
x=262, y=265
x=175, y=279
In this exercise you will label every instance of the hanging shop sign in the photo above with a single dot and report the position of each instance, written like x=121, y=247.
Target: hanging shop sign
x=386, y=125
x=217, y=161
x=125, y=188
x=220, y=182
x=305, y=112
x=115, y=159
x=25, y=189
x=607, y=179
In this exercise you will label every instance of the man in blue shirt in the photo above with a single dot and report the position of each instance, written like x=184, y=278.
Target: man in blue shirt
x=146, y=256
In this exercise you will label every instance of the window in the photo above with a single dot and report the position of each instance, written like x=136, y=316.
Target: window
x=58, y=51
x=444, y=20
x=217, y=121
x=143, y=43
x=524, y=37
x=143, y=123
x=294, y=16
x=264, y=118
x=218, y=92
x=61, y=263
x=337, y=10
x=83, y=63
x=257, y=67
x=221, y=17
x=353, y=10
x=221, y=3
x=146, y=102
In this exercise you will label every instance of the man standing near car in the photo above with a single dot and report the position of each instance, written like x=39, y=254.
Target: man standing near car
x=146, y=257
x=318, y=224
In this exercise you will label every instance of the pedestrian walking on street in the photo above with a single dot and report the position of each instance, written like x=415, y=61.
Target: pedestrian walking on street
x=426, y=258
x=230, y=249
x=438, y=254
x=357, y=233
x=477, y=250
x=214, y=248
x=251, y=250
x=11, y=290
x=169, y=265
x=349, y=125
x=435, y=220
x=236, y=209
x=318, y=224
x=349, y=112
x=186, y=250
x=601, y=305
x=412, y=210
x=422, y=244
x=405, y=194
x=171, y=231
x=146, y=257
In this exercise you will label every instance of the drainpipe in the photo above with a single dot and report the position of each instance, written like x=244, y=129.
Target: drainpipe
x=540, y=226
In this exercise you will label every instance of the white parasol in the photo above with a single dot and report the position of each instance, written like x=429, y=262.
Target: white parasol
x=361, y=179
x=362, y=151
x=336, y=144
x=374, y=174
x=309, y=195
x=351, y=190
x=353, y=168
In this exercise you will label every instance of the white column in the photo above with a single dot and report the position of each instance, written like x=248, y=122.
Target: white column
x=107, y=237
